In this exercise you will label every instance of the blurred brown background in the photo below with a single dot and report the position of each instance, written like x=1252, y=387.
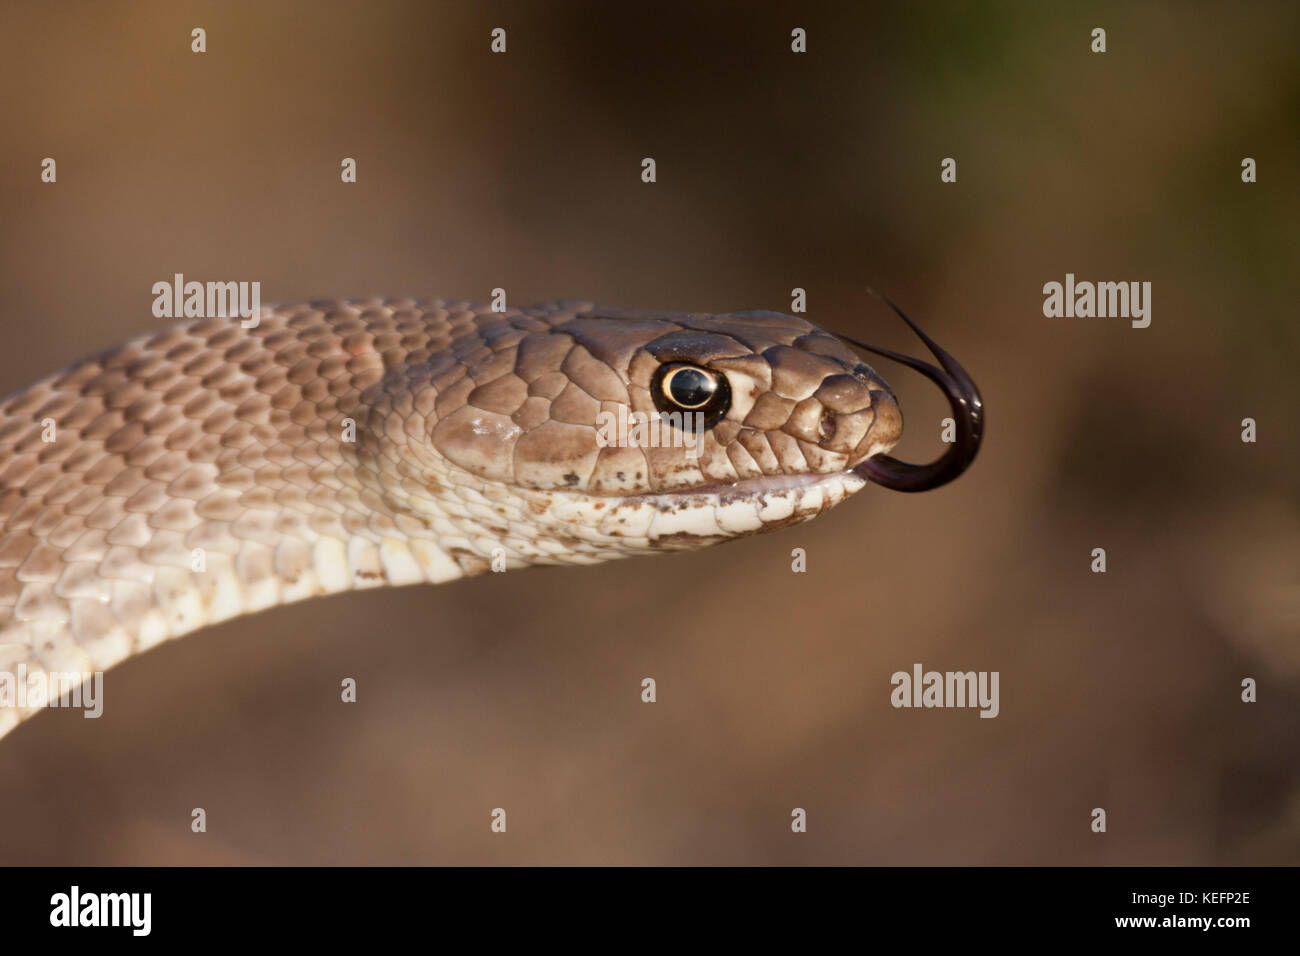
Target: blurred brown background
x=775, y=170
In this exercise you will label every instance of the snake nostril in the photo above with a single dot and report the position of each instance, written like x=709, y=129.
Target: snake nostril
x=826, y=427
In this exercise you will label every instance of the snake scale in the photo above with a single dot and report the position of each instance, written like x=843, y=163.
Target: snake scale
x=209, y=470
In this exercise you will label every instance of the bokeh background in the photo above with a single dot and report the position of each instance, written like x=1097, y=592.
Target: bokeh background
x=775, y=170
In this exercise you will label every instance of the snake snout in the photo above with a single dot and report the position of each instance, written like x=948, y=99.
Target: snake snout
x=886, y=429
x=859, y=414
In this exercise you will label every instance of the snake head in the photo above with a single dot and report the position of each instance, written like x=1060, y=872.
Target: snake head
x=639, y=430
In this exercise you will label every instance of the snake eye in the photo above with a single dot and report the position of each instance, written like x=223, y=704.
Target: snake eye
x=678, y=387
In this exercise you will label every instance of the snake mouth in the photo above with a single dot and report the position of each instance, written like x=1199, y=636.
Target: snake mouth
x=765, y=484
x=755, y=489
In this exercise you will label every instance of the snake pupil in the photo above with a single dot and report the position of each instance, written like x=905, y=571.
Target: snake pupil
x=690, y=387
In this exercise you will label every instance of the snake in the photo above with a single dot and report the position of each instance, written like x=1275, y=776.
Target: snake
x=216, y=468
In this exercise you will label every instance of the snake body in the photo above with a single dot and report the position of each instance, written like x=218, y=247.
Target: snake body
x=210, y=470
